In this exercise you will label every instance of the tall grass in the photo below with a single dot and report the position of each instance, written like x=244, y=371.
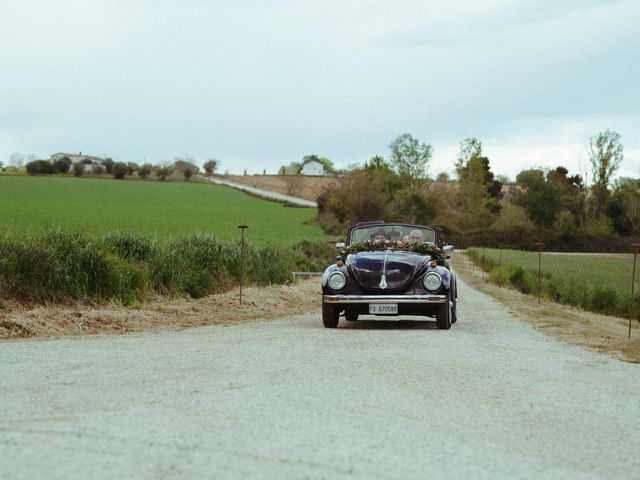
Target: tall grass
x=592, y=283
x=58, y=265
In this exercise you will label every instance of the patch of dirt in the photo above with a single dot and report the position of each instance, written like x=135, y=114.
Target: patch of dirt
x=20, y=321
x=297, y=185
x=574, y=326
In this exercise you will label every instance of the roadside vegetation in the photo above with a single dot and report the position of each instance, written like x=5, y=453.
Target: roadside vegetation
x=593, y=283
x=61, y=266
x=559, y=208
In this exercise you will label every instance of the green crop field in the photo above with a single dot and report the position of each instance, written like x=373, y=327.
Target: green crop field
x=597, y=283
x=164, y=209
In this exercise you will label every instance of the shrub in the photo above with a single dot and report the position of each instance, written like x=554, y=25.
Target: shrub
x=62, y=165
x=144, y=171
x=163, y=173
x=119, y=170
x=188, y=173
x=39, y=166
x=78, y=169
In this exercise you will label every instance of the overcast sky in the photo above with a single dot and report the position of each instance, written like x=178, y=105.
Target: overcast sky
x=260, y=84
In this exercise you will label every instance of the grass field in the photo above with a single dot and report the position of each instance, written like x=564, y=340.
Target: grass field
x=596, y=283
x=164, y=209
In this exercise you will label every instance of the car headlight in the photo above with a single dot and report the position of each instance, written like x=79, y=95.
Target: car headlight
x=432, y=281
x=337, y=280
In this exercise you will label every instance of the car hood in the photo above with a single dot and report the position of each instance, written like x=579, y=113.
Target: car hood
x=385, y=271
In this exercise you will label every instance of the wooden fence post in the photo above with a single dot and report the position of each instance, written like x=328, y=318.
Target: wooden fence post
x=634, y=247
x=539, y=245
x=242, y=227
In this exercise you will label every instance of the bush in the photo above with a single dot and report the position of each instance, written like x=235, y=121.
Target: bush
x=59, y=266
x=39, y=167
x=119, y=170
x=78, y=169
x=144, y=171
x=163, y=173
x=62, y=165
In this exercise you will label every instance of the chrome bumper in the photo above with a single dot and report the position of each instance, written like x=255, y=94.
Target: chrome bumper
x=384, y=298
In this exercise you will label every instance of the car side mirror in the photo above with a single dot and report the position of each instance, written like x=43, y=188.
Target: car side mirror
x=447, y=249
x=340, y=245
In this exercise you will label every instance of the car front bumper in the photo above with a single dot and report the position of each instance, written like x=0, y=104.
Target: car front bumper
x=415, y=299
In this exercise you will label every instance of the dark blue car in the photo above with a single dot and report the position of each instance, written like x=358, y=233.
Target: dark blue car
x=390, y=269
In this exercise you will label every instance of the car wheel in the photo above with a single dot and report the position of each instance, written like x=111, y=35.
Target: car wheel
x=454, y=307
x=443, y=315
x=330, y=315
x=351, y=316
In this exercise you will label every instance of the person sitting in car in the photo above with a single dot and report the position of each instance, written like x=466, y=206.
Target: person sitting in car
x=379, y=236
x=416, y=236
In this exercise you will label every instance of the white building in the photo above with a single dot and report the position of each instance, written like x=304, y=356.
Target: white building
x=312, y=168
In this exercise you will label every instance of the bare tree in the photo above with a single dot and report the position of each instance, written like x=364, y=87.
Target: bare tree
x=294, y=184
x=210, y=167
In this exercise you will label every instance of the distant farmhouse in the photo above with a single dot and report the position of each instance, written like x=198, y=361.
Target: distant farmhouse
x=88, y=160
x=312, y=168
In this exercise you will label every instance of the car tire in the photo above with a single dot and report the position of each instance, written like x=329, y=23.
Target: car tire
x=351, y=316
x=443, y=315
x=330, y=315
x=454, y=307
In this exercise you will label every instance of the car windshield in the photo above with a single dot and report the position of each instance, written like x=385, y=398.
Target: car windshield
x=406, y=233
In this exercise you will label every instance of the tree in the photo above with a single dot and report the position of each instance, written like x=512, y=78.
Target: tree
x=145, y=170
x=98, y=169
x=470, y=147
x=39, y=166
x=62, y=165
x=605, y=154
x=479, y=192
x=624, y=206
x=108, y=165
x=32, y=168
x=132, y=167
x=210, y=167
x=163, y=172
x=188, y=173
x=541, y=199
x=16, y=159
x=410, y=157
x=119, y=170
x=78, y=169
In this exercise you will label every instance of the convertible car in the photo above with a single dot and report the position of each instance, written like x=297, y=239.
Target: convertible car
x=390, y=269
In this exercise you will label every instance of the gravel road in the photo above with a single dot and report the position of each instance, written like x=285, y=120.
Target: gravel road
x=491, y=398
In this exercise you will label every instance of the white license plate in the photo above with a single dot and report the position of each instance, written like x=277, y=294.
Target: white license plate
x=383, y=308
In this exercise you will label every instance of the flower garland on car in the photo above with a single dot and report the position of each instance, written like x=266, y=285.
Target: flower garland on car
x=422, y=248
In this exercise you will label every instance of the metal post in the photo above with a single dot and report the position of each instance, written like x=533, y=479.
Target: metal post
x=242, y=227
x=483, y=262
x=539, y=245
x=634, y=247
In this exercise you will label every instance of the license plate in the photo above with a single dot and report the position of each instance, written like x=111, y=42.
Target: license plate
x=383, y=308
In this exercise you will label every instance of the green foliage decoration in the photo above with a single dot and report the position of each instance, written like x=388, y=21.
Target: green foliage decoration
x=421, y=248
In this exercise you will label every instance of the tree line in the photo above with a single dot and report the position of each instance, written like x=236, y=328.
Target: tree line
x=552, y=205
x=119, y=170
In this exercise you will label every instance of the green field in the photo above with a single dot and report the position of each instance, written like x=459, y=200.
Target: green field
x=164, y=209
x=596, y=283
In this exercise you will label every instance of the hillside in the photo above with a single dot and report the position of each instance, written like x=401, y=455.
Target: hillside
x=165, y=209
